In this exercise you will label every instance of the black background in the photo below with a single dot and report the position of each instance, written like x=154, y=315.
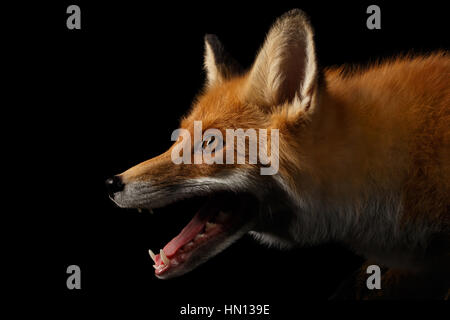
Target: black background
x=104, y=98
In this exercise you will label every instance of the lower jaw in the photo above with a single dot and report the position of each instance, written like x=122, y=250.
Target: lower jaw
x=219, y=230
x=197, y=251
x=178, y=263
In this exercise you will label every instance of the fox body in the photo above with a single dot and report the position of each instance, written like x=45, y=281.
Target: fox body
x=364, y=156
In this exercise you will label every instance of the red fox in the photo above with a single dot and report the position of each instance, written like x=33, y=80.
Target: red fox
x=364, y=159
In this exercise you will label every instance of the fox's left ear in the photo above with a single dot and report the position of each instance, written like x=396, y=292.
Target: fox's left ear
x=218, y=64
x=285, y=70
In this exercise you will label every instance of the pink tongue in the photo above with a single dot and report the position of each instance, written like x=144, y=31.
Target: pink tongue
x=189, y=232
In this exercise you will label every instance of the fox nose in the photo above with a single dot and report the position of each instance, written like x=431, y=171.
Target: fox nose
x=114, y=185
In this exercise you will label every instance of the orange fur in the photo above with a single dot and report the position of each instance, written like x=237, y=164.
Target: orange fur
x=378, y=133
x=388, y=126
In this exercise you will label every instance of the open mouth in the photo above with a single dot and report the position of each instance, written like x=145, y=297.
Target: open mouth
x=220, y=220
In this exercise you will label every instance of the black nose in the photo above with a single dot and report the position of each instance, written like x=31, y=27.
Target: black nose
x=114, y=185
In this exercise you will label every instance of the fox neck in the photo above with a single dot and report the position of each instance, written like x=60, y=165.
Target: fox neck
x=335, y=195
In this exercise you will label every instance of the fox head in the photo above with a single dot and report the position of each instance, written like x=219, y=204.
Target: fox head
x=279, y=92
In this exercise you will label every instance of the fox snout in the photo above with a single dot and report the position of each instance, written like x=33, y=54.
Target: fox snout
x=114, y=185
x=142, y=183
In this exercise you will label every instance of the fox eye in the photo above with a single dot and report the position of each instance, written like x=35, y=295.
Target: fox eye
x=208, y=142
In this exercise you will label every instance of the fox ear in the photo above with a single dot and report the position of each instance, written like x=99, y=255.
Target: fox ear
x=285, y=70
x=218, y=64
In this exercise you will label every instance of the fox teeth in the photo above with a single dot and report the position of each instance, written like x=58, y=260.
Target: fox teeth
x=199, y=236
x=152, y=255
x=139, y=210
x=210, y=225
x=190, y=245
x=164, y=258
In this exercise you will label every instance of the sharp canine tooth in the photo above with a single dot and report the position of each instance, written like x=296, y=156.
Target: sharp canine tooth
x=152, y=255
x=139, y=210
x=154, y=266
x=164, y=257
x=199, y=236
x=209, y=225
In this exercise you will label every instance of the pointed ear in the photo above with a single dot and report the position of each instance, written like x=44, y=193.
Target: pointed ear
x=218, y=64
x=285, y=69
